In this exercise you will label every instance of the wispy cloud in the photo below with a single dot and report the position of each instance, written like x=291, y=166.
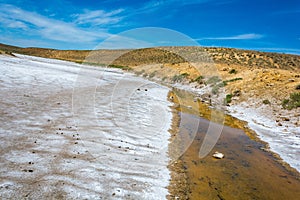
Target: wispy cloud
x=54, y=29
x=154, y=5
x=248, y=36
x=99, y=17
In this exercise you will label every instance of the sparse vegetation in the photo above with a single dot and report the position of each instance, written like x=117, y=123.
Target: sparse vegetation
x=120, y=67
x=199, y=79
x=292, y=102
x=7, y=53
x=140, y=72
x=266, y=101
x=228, y=98
x=298, y=87
x=215, y=88
x=232, y=71
x=179, y=78
x=165, y=55
x=152, y=74
x=232, y=80
x=213, y=80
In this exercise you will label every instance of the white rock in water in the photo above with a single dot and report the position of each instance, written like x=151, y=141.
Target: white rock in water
x=218, y=155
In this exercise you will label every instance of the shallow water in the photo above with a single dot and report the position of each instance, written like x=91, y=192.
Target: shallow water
x=246, y=172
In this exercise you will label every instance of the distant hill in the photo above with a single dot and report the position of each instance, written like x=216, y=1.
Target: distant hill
x=227, y=56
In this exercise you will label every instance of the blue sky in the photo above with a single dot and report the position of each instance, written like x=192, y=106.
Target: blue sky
x=266, y=25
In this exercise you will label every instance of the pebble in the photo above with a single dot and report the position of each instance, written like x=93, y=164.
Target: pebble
x=218, y=155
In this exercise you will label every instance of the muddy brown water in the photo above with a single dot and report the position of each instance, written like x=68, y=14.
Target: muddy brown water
x=246, y=172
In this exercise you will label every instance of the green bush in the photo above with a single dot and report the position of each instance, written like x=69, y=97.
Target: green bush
x=179, y=78
x=292, y=102
x=152, y=74
x=199, y=79
x=228, y=98
x=232, y=71
x=120, y=67
x=213, y=80
x=266, y=101
x=215, y=88
x=232, y=80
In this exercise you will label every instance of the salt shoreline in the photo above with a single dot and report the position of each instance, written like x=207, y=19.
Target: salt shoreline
x=56, y=142
x=283, y=140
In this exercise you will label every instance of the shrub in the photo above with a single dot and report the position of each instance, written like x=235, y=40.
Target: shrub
x=232, y=80
x=292, y=102
x=184, y=74
x=298, y=87
x=228, y=98
x=179, y=78
x=232, y=71
x=266, y=101
x=199, y=79
x=152, y=74
x=140, y=72
x=213, y=80
x=120, y=67
x=215, y=88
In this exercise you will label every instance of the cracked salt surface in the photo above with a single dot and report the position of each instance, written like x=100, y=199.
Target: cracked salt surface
x=100, y=135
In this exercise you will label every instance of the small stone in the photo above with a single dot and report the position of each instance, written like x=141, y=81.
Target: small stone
x=286, y=119
x=218, y=155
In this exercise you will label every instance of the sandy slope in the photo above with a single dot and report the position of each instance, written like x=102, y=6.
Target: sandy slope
x=101, y=135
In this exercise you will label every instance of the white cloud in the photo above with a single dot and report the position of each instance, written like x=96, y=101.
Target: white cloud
x=99, y=17
x=48, y=28
x=154, y=5
x=248, y=36
x=12, y=23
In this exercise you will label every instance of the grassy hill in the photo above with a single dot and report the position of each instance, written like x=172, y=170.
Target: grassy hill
x=227, y=56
